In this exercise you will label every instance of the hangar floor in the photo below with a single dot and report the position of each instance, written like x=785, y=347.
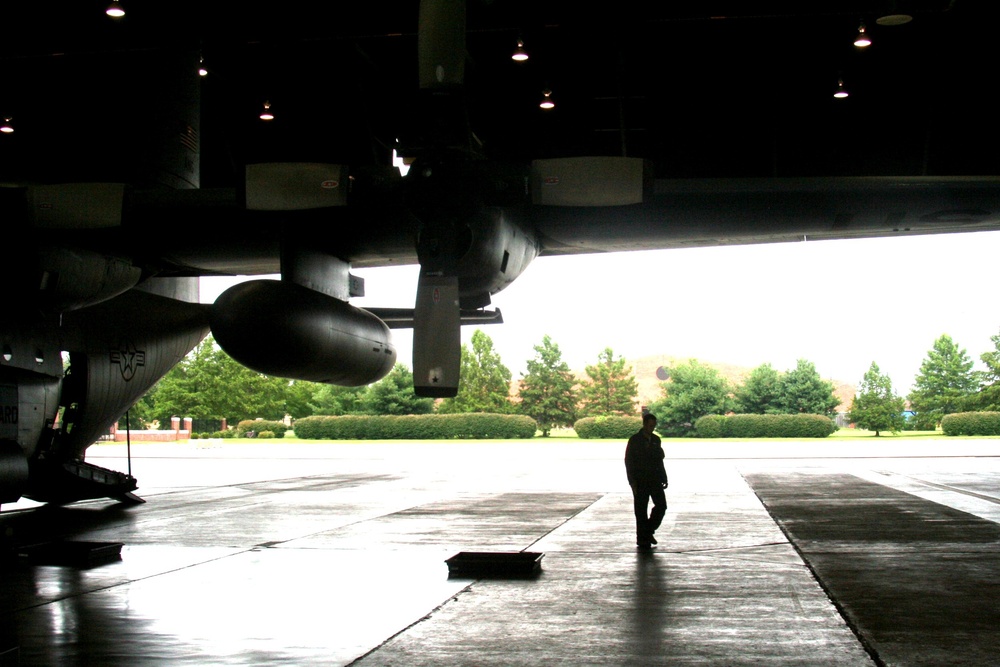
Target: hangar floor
x=791, y=553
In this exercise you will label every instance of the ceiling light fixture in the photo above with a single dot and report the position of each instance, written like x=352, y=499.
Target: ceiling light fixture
x=841, y=92
x=862, y=39
x=115, y=10
x=266, y=114
x=520, y=55
x=6, y=126
x=547, y=102
x=894, y=19
x=897, y=13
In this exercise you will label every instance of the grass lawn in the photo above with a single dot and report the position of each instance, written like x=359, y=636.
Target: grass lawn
x=861, y=434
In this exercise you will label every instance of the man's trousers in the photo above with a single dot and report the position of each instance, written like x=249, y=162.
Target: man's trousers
x=646, y=525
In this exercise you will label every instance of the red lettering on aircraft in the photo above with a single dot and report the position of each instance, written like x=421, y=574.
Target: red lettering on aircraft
x=329, y=184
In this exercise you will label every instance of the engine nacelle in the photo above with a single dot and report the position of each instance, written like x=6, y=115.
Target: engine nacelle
x=59, y=279
x=283, y=329
x=487, y=250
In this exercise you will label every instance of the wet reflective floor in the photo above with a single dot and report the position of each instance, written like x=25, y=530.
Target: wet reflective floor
x=335, y=555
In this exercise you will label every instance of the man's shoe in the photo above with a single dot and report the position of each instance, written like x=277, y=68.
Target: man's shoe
x=645, y=546
x=652, y=540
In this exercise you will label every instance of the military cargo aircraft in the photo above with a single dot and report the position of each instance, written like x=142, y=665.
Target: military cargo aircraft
x=142, y=151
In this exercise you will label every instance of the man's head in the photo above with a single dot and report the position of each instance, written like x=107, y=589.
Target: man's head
x=648, y=422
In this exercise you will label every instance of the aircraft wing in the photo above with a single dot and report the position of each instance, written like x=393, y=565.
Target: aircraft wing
x=713, y=212
x=674, y=125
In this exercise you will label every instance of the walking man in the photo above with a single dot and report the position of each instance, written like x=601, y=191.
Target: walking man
x=648, y=479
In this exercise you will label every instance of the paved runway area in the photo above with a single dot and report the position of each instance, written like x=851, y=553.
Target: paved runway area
x=334, y=555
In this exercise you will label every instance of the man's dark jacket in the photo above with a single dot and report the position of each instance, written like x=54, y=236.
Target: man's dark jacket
x=644, y=460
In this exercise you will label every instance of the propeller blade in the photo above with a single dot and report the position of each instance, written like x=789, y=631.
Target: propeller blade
x=437, y=341
x=437, y=120
x=402, y=318
x=441, y=43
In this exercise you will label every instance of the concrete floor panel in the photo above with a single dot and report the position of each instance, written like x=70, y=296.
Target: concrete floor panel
x=334, y=555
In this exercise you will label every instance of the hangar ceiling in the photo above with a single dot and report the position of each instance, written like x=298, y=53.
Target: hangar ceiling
x=739, y=88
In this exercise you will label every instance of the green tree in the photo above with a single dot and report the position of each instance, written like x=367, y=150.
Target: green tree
x=760, y=393
x=298, y=397
x=141, y=415
x=945, y=384
x=876, y=407
x=692, y=391
x=611, y=389
x=546, y=392
x=394, y=395
x=209, y=384
x=329, y=399
x=804, y=391
x=989, y=391
x=485, y=381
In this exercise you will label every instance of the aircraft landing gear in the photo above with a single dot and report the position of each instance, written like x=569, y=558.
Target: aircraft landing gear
x=66, y=482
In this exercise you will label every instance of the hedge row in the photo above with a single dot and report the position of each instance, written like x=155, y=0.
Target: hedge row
x=619, y=428
x=764, y=426
x=230, y=433
x=469, y=426
x=971, y=423
x=245, y=427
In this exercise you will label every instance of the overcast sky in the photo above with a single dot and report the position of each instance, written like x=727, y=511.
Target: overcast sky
x=839, y=304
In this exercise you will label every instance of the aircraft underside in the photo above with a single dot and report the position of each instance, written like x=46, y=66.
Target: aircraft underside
x=67, y=379
x=115, y=226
